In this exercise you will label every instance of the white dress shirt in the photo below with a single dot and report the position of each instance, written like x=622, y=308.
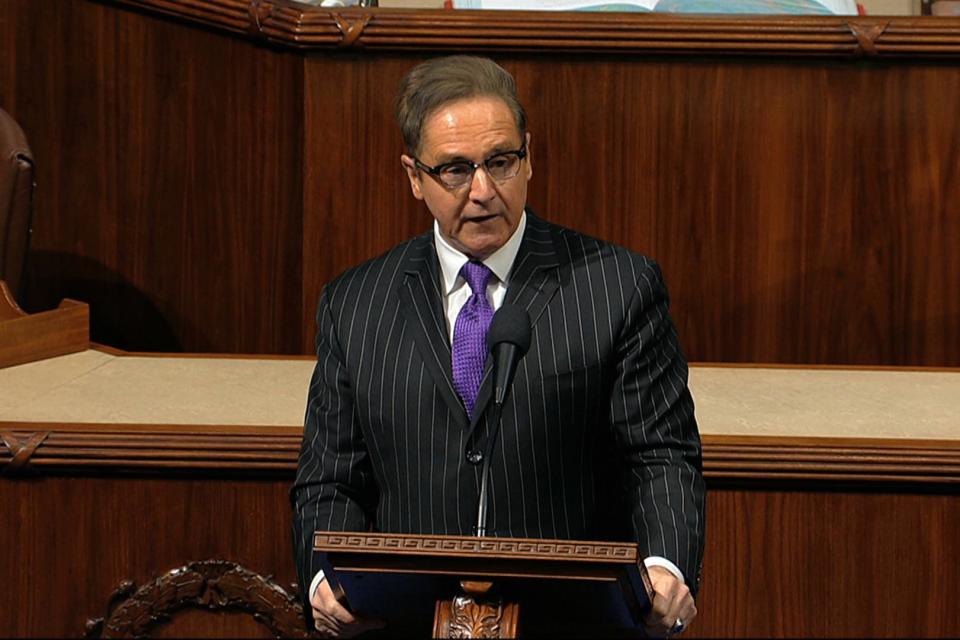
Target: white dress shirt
x=455, y=289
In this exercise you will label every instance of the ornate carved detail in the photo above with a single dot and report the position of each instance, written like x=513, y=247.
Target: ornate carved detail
x=21, y=450
x=210, y=584
x=867, y=34
x=503, y=547
x=260, y=14
x=472, y=619
x=351, y=28
x=475, y=614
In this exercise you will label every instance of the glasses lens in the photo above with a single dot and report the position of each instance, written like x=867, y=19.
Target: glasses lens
x=456, y=174
x=503, y=166
x=500, y=167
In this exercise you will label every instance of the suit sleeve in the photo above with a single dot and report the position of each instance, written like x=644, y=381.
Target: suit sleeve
x=334, y=488
x=655, y=429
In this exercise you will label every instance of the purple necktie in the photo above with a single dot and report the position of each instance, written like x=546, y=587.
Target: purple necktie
x=470, y=335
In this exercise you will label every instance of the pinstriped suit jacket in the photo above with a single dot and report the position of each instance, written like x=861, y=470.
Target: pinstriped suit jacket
x=598, y=437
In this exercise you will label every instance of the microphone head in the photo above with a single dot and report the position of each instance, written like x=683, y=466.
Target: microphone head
x=511, y=324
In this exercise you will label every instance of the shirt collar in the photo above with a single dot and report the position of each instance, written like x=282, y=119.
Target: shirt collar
x=500, y=261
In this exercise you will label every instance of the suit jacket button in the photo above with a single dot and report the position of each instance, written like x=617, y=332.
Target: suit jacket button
x=475, y=457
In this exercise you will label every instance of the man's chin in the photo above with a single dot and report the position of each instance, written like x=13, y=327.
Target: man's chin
x=482, y=249
x=479, y=240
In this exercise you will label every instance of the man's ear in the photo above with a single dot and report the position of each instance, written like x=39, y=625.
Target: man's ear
x=529, y=158
x=413, y=175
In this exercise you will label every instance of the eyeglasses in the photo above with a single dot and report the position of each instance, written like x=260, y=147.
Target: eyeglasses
x=500, y=166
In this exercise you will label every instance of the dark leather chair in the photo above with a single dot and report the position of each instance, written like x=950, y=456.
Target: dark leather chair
x=16, y=202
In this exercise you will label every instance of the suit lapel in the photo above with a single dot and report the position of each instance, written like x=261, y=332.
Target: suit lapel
x=534, y=280
x=422, y=309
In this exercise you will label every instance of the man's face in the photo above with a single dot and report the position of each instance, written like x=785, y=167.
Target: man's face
x=479, y=217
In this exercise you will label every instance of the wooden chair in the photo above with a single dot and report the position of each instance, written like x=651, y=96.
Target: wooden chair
x=16, y=202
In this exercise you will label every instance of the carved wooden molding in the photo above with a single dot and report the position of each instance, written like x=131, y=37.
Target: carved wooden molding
x=20, y=450
x=614, y=553
x=308, y=28
x=831, y=459
x=212, y=585
x=867, y=35
x=152, y=448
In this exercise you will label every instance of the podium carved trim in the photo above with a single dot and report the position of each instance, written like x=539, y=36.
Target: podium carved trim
x=465, y=617
x=499, y=548
x=472, y=619
x=211, y=585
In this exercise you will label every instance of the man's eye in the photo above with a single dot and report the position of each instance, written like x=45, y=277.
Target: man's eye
x=500, y=162
x=456, y=170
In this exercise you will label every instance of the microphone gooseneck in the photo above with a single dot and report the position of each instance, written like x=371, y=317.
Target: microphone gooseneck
x=509, y=340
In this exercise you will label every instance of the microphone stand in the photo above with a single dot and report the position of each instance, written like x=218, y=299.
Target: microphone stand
x=494, y=417
x=509, y=339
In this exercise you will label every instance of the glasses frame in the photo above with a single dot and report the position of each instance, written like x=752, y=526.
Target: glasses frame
x=435, y=172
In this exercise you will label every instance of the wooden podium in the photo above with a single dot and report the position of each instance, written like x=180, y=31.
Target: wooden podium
x=489, y=587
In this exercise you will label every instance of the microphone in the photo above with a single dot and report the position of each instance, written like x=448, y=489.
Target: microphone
x=508, y=339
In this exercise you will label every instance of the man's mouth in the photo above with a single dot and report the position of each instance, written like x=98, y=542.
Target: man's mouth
x=480, y=219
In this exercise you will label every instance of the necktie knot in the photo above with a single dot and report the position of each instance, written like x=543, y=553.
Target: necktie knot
x=477, y=276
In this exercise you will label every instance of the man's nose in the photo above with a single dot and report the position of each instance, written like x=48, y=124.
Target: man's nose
x=481, y=187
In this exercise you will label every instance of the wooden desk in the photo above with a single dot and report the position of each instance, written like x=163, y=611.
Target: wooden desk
x=145, y=463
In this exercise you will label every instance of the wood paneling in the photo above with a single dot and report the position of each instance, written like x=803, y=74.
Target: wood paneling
x=872, y=558
x=829, y=563
x=70, y=541
x=168, y=172
x=357, y=200
x=803, y=212
x=198, y=189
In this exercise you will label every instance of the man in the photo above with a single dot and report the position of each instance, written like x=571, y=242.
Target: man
x=598, y=437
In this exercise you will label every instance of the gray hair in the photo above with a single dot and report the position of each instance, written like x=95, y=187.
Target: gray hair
x=440, y=81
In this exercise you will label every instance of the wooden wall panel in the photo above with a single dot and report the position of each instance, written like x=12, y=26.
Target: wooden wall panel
x=168, y=173
x=199, y=189
x=357, y=200
x=782, y=560
x=73, y=540
x=805, y=212
x=829, y=562
x=806, y=537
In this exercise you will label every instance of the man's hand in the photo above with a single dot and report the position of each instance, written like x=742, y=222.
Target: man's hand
x=672, y=603
x=332, y=620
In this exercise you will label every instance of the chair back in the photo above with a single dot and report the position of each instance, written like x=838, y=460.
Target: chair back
x=16, y=201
